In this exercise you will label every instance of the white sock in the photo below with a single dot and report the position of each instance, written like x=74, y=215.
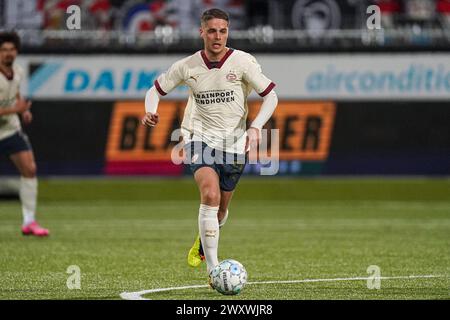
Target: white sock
x=28, y=197
x=208, y=225
x=224, y=220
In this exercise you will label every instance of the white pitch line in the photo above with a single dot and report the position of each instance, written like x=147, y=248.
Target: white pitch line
x=138, y=295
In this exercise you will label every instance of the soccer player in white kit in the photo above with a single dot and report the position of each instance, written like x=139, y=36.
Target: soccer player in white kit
x=219, y=80
x=13, y=141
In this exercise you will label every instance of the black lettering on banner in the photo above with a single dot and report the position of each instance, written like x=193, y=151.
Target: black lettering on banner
x=147, y=139
x=288, y=131
x=129, y=131
x=175, y=124
x=270, y=125
x=311, y=137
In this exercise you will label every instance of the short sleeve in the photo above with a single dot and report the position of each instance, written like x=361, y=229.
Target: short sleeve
x=171, y=79
x=254, y=76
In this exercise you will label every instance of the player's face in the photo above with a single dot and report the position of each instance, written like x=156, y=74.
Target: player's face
x=215, y=34
x=8, y=53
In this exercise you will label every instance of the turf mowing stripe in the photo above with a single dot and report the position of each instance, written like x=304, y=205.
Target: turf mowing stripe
x=138, y=295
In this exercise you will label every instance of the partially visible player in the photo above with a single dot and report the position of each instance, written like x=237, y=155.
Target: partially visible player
x=13, y=141
x=219, y=80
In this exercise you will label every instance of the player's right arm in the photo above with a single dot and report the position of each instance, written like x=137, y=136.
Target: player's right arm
x=165, y=83
x=21, y=106
x=151, y=117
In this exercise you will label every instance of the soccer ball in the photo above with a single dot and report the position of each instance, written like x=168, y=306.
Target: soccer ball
x=228, y=277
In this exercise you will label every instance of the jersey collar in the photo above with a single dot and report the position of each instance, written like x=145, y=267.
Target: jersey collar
x=7, y=76
x=221, y=62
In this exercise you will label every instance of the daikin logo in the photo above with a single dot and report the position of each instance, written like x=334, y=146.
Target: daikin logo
x=108, y=80
x=71, y=81
x=39, y=74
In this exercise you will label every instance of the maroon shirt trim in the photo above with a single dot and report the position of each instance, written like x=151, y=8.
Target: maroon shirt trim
x=268, y=89
x=221, y=62
x=6, y=75
x=158, y=87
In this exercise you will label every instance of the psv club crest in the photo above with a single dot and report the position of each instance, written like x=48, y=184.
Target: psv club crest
x=231, y=76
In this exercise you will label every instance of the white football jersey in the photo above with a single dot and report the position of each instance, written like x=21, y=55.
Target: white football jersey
x=216, y=111
x=9, y=88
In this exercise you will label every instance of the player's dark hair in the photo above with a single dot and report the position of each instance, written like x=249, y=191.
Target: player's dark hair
x=12, y=37
x=214, y=13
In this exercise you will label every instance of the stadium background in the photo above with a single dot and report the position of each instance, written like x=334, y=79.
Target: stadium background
x=354, y=102
x=386, y=92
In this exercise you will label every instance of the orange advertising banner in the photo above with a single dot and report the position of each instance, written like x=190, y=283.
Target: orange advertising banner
x=305, y=130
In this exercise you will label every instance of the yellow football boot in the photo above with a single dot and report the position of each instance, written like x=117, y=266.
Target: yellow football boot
x=196, y=255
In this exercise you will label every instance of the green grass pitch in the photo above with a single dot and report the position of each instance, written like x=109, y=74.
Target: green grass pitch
x=128, y=235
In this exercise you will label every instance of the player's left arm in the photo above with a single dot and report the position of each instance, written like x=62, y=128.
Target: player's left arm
x=264, y=87
x=267, y=109
x=27, y=116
